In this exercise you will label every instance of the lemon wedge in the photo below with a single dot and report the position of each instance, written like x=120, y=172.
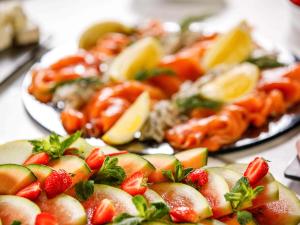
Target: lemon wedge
x=144, y=54
x=90, y=36
x=130, y=122
x=232, y=47
x=233, y=84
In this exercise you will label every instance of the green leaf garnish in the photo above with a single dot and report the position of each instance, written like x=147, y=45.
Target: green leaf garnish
x=265, y=62
x=156, y=210
x=179, y=174
x=146, y=74
x=244, y=217
x=16, y=222
x=84, y=189
x=196, y=101
x=85, y=80
x=54, y=146
x=186, y=22
x=241, y=193
x=110, y=172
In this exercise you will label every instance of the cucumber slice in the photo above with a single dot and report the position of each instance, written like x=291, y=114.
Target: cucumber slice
x=214, y=191
x=14, y=177
x=73, y=165
x=151, y=196
x=15, y=152
x=66, y=209
x=83, y=147
x=160, y=162
x=17, y=208
x=285, y=211
x=133, y=163
x=193, y=158
x=40, y=171
x=178, y=194
x=230, y=176
x=211, y=222
x=157, y=222
x=121, y=200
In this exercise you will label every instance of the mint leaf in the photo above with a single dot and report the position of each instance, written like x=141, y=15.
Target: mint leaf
x=16, y=222
x=244, y=217
x=110, y=172
x=141, y=204
x=126, y=219
x=146, y=74
x=179, y=174
x=53, y=146
x=196, y=101
x=186, y=22
x=84, y=189
x=157, y=210
x=265, y=62
x=241, y=193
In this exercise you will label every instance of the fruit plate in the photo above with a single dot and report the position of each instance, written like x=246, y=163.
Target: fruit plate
x=48, y=117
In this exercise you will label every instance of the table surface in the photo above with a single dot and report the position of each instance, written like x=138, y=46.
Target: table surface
x=65, y=19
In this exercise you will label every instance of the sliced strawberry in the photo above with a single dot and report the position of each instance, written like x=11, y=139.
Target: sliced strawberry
x=104, y=213
x=135, y=185
x=199, y=177
x=40, y=158
x=57, y=182
x=31, y=192
x=183, y=214
x=45, y=219
x=95, y=159
x=256, y=170
x=117, y=153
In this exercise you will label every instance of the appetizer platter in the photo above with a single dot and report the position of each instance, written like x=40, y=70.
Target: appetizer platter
x=159, y=87
x=64, y=180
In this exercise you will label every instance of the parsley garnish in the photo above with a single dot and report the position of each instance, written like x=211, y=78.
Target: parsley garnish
x=84, y=189
x=244, y=217
x=110, y=172
x=146, y=74
x=179, y=174
x=241, y=193
x=265, y=62
x=186, y=22
x=16, y=222
x=155, y=211
x=197, y=101
x=54, y=146
x=83, y=80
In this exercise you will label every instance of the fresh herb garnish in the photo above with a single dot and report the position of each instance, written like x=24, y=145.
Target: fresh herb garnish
x=84, y=189
x=54, y=146
x=155, y=211
x=186, y=22
x=16, y=222
x=241, y=193
x=146, y=74
x=110, y=172
x=197, y=101
x=83, y=80
x=265, y=62
x=244, y=217
x=179, y=174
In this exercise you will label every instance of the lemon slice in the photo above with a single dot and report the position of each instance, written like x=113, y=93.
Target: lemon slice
x=90, y=36
x=230, y=48
x=144, y=54
x=233, y=84
x=130, y=122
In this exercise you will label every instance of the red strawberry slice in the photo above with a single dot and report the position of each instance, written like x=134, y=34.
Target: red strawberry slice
x=199, y=177
x=31, y=192
x=117, y=153
x=183, y=214
x=39, y=158
x=56, y=183
x=256, y=170
x=95, y=159
x=45, y=219
x=104, y=213
x=135, y=185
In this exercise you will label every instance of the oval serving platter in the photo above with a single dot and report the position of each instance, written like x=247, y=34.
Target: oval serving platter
x=49, y=118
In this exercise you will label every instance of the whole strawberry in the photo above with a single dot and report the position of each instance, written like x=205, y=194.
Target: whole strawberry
x=56, y=183
x=198, y=177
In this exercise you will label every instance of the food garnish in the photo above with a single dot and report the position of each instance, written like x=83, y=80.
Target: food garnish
x=31, y=192
x=197, y=101
x=265, y=62
x=45, y=218
x=136, y=184
x=95, y=159
x=179, y=174
x=183, y=214
x=56, y=183
x=256, y=170
x=197, y=177
x=104, y=212
x=146, y=74
x=84, y=189
x=39, y=158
